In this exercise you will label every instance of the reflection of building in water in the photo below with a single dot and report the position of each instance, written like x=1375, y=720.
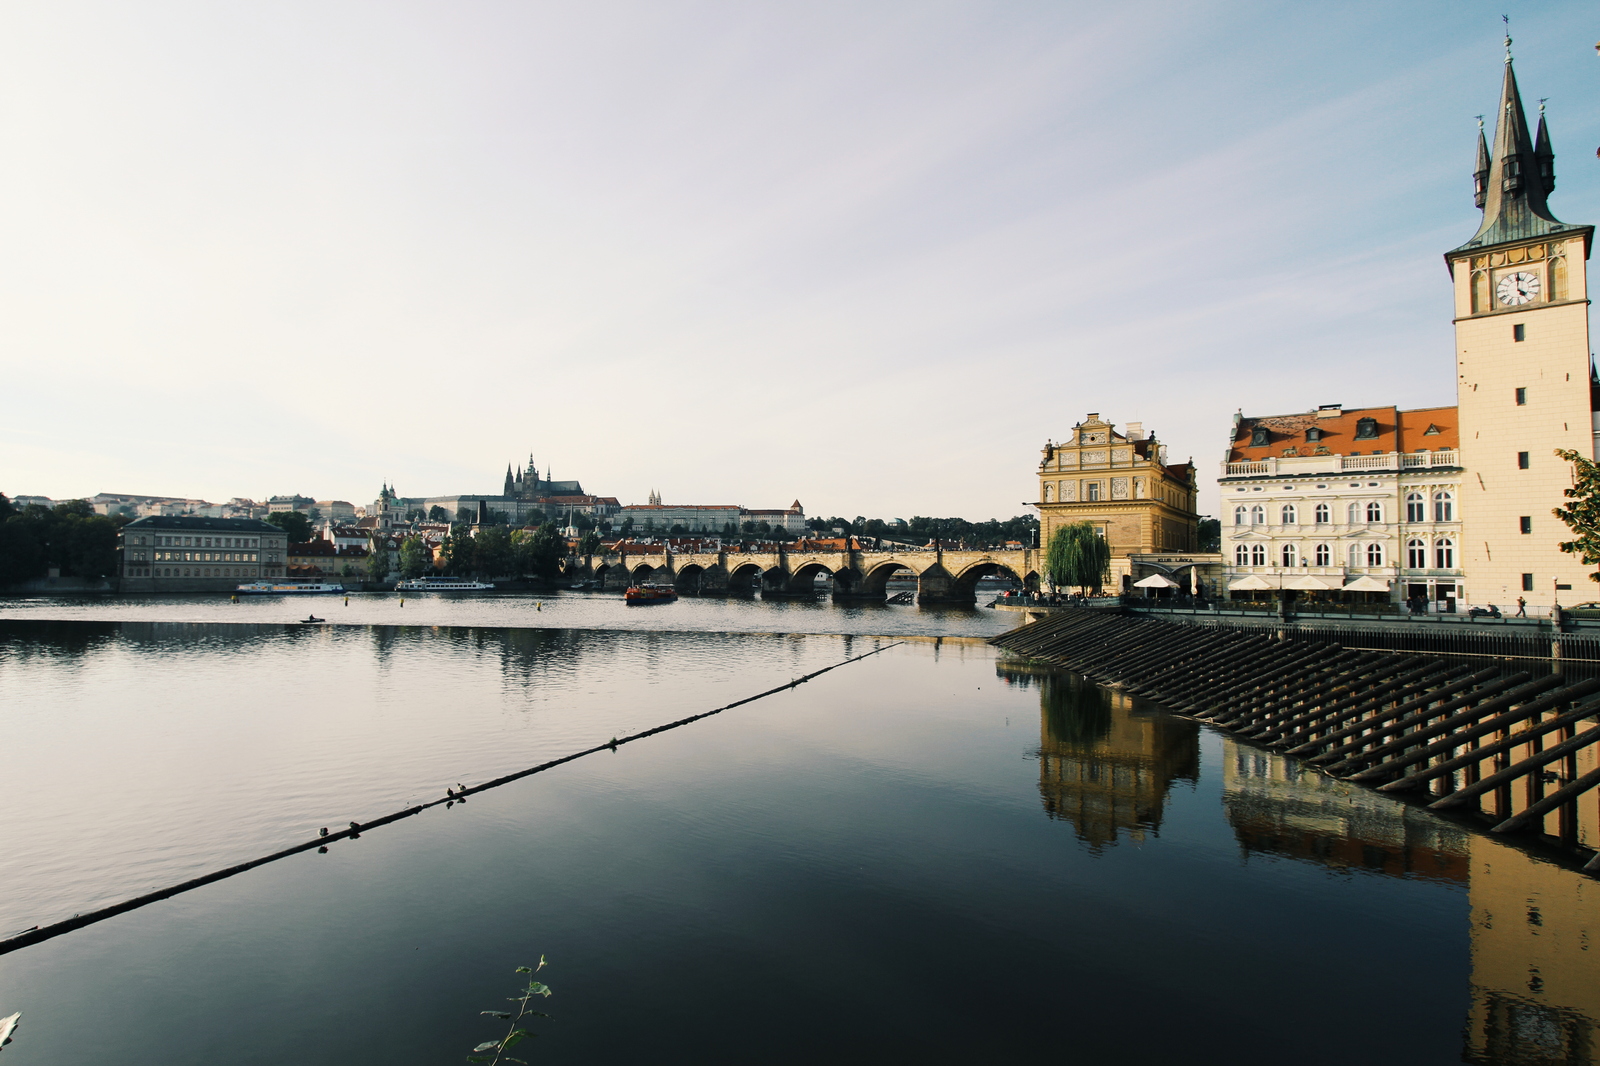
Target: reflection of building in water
x=1105, y=766
x=1535, y=964
x=1275, y=807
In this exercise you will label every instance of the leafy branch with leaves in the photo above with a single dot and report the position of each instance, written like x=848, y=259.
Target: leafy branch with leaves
x=1582, y=514
x=514, y=1035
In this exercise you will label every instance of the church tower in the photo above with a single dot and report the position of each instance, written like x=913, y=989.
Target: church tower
x=1522, y=364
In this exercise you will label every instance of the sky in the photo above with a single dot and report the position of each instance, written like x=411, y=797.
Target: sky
x=867, y=256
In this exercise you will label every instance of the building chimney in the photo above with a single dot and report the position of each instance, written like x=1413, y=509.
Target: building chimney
x=1330, y=410
x=1135, y=431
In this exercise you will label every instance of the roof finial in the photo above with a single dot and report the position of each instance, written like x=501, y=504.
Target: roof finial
x=1507, y=20
x=1542, y=99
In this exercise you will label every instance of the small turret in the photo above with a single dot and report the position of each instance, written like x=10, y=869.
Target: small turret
x=1545, y=155
x=1480, y=173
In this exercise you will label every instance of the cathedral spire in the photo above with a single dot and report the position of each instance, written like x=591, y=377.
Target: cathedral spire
x=1512, y=176
x=511, y=483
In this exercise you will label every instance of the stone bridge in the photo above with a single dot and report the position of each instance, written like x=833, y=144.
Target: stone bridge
x=943, y=575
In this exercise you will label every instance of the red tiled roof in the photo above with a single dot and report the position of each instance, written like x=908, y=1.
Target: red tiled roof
x=1396, y=431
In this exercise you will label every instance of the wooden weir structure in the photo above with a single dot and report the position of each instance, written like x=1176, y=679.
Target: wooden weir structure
x=1512, y=740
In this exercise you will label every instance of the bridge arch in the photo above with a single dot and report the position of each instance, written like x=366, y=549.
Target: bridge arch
x=876, y=579
x=688, y=580
x=745, y=580
x=803, y=580
x=964, y=587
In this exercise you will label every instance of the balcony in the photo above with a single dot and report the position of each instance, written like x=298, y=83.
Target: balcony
x=1333, y=464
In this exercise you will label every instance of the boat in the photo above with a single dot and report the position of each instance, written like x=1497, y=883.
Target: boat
x=639, y=595
x=441, y=584
x=285, y=588
x=312, y=620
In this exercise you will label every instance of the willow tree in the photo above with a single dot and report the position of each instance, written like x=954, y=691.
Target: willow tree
x=1582, y=513
x=1078, y=557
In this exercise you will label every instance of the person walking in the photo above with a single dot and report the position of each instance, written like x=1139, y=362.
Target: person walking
x=1522, y=607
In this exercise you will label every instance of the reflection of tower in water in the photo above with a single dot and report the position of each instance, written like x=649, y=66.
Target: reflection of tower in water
x=1535, y=976
x=1104, y=765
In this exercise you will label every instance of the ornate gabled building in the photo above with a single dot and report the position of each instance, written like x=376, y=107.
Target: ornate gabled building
x=1123, y=485
x=1523, y=366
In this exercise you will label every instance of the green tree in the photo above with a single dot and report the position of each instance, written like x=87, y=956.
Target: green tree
x=1210, y=534
x=539, y=552
x=297, y=525
x=1582, y=513
x=378, y=560
x=627, y=525
x=438, y=514
x=1078, y=557
x=415, y=559
x=589, y=543
x=492, y=546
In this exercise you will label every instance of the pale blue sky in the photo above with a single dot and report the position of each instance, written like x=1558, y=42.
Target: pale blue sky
x=866, y=255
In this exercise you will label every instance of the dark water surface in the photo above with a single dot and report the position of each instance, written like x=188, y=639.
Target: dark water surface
x=926, y=856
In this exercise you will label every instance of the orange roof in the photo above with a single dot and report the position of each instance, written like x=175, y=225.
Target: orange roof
x=1392, y=429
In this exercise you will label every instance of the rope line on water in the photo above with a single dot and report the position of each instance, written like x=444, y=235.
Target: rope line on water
x=39, y=934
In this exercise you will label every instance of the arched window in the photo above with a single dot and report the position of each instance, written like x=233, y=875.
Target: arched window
x=1241, y=555
x=1324, y=514
x=1444, y=507
x=1290, y=555
x=1374, y=511
x=1353, y=514
x=1355, y=555
x=1288, y=514
x=1366, y=429
x=1324, y=555
x=1444, y=553
x=1259, y=438
x=1238, y=515
x=1258, y=555
x=1258, y=515
x=1416, y=509
x=1374, y=554
x=1049, y=491
x=1417, y=553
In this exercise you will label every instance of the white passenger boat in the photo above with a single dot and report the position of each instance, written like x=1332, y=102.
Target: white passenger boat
x=441, y=584
x=287, y=588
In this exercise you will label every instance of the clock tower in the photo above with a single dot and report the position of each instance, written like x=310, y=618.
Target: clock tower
x=1523, y=369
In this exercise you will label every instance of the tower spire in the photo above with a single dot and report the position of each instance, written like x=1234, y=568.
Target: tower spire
x=1512, y=176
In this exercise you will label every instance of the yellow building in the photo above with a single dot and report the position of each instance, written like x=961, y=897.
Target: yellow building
x=1122, y=483
x=1523, y=374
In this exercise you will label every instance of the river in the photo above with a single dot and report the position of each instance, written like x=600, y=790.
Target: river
x=927, y=855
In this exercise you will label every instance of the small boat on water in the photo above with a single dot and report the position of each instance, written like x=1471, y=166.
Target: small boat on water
x=313, y=620
x=287, y=588
x=639, y=595
x=441, y=584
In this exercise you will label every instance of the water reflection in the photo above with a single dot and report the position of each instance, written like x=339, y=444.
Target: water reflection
x=1105, y=761
x=1535, y=977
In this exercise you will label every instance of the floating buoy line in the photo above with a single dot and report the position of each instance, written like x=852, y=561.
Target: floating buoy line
x=39, y=934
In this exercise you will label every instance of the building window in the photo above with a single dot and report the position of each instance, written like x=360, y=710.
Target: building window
x=1258, y=555
x=1241, y=555
x=1259, y=438
x=1313, y=434
x=1444, y=507
x=1444, y=553
x=1288, y=514
x=1093, y=491
x=1324, y=555
x=1416, y=554
x=1522, y=460
x=1290, y=555
x=1366, y=429
x=1527, y=582
x=1518, y=333
x=1355, y=555
x=1416, y=510
x=1324, y=515
x=1258, y=515
x=1238, y=515
x=1353, y=514
x=1525, y=523
x=1374, y=511
x=1522, y=397
x=1374, y=554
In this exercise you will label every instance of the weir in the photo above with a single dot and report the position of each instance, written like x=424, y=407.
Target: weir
x=1511, y=742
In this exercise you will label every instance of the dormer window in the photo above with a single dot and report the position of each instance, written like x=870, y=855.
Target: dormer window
x=1314, y=434
x=1366, y=429
x=1258, y=437
x=1431, y=431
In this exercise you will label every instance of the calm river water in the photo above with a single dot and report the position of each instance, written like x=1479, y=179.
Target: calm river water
x=925, y=856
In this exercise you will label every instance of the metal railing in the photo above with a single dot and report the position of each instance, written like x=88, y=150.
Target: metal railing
x=1309, y=464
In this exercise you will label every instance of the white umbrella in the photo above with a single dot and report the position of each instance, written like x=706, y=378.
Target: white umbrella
x=1308, y=583
x=1252, y=583
x=1155, y=581
x=1365, y=584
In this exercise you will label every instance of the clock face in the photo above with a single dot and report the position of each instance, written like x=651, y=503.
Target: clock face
x=1517, y=288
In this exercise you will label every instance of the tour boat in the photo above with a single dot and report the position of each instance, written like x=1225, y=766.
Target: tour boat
x=441, y=584
x=281, y=588
x=639, y=595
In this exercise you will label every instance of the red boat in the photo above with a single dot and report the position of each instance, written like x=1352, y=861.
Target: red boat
x=639, y=595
